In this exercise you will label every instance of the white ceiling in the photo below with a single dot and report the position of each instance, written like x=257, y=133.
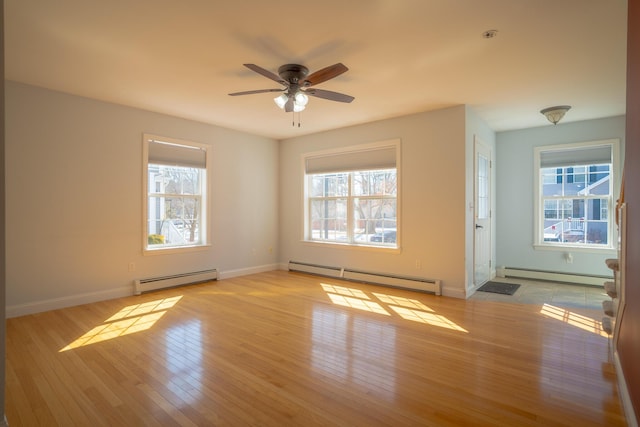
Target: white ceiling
x=404, y=56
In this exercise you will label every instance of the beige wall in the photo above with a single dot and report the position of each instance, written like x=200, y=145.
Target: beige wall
x=74, y=196
x=433, y=177
x=74, y=199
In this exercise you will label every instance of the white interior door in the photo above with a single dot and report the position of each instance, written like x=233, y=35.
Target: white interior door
x=482, y=229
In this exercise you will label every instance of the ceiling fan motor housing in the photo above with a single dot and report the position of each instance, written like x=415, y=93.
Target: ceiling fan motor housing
x=293, y=73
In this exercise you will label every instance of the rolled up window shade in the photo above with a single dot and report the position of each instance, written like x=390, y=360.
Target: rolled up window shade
x=169, y=154
x=356, y=160
x=594, y=155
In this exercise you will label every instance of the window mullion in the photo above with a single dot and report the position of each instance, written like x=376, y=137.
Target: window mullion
x=350, y=211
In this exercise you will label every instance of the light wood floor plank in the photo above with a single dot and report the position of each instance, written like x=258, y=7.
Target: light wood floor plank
x=287, y=349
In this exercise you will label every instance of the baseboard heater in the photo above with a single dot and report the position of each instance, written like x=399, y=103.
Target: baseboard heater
x=383, y=279
x=156, y=283
x=552, y=276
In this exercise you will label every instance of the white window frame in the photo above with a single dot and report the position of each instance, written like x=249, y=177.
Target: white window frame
x=340, y=154
x=538, y=213
x=205, y=224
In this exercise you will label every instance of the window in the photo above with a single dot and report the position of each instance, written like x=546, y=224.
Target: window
x=575, y=195
x=175, y=189
x=352, y=196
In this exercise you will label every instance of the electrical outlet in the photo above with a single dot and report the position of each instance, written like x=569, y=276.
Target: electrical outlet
x=132, y=266
x=418, y=264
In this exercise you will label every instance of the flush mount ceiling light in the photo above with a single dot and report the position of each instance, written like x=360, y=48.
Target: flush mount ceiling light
x=555, y=114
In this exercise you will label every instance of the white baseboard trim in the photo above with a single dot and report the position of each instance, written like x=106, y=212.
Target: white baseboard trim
x=454, y=293
x=553, y=276
x=623, y=391
x=228, y=274
x=123, y=291
x=62, y=302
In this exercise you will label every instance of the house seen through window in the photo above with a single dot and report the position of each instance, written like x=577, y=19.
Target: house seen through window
x=176, y=189
x=576, y=195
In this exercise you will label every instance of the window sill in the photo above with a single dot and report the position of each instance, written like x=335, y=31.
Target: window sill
x=575, y=248
x=352, y=246
x=175, y=250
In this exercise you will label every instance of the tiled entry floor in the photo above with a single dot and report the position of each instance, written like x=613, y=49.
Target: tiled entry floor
x=539, y=292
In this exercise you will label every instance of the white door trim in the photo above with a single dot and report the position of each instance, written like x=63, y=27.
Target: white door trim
x=482, y=215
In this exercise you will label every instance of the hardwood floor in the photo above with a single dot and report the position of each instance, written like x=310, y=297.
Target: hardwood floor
x=286, y=349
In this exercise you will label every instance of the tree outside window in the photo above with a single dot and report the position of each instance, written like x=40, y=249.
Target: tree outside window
x=356, y=207
x=175, y=193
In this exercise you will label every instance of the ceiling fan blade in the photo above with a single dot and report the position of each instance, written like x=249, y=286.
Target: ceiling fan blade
x=251, y=92
x=268, y=74
x=325, y=74
x=327, y=94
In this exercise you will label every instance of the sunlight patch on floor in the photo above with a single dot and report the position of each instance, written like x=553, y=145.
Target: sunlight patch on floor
x=402, y=302
x=341, y=290
x=407, y=308
x=358, y=303
x=428, y=318
x=129, y=320
x=574, y=319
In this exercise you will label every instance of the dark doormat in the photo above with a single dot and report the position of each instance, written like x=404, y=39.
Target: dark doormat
x=499, y=288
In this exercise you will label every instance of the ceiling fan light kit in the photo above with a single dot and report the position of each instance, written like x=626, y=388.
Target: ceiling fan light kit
x=281, y=100
x=297, y=85
x=301, y=99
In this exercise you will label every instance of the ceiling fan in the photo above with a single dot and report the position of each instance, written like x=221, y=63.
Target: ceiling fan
x=298, y=85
